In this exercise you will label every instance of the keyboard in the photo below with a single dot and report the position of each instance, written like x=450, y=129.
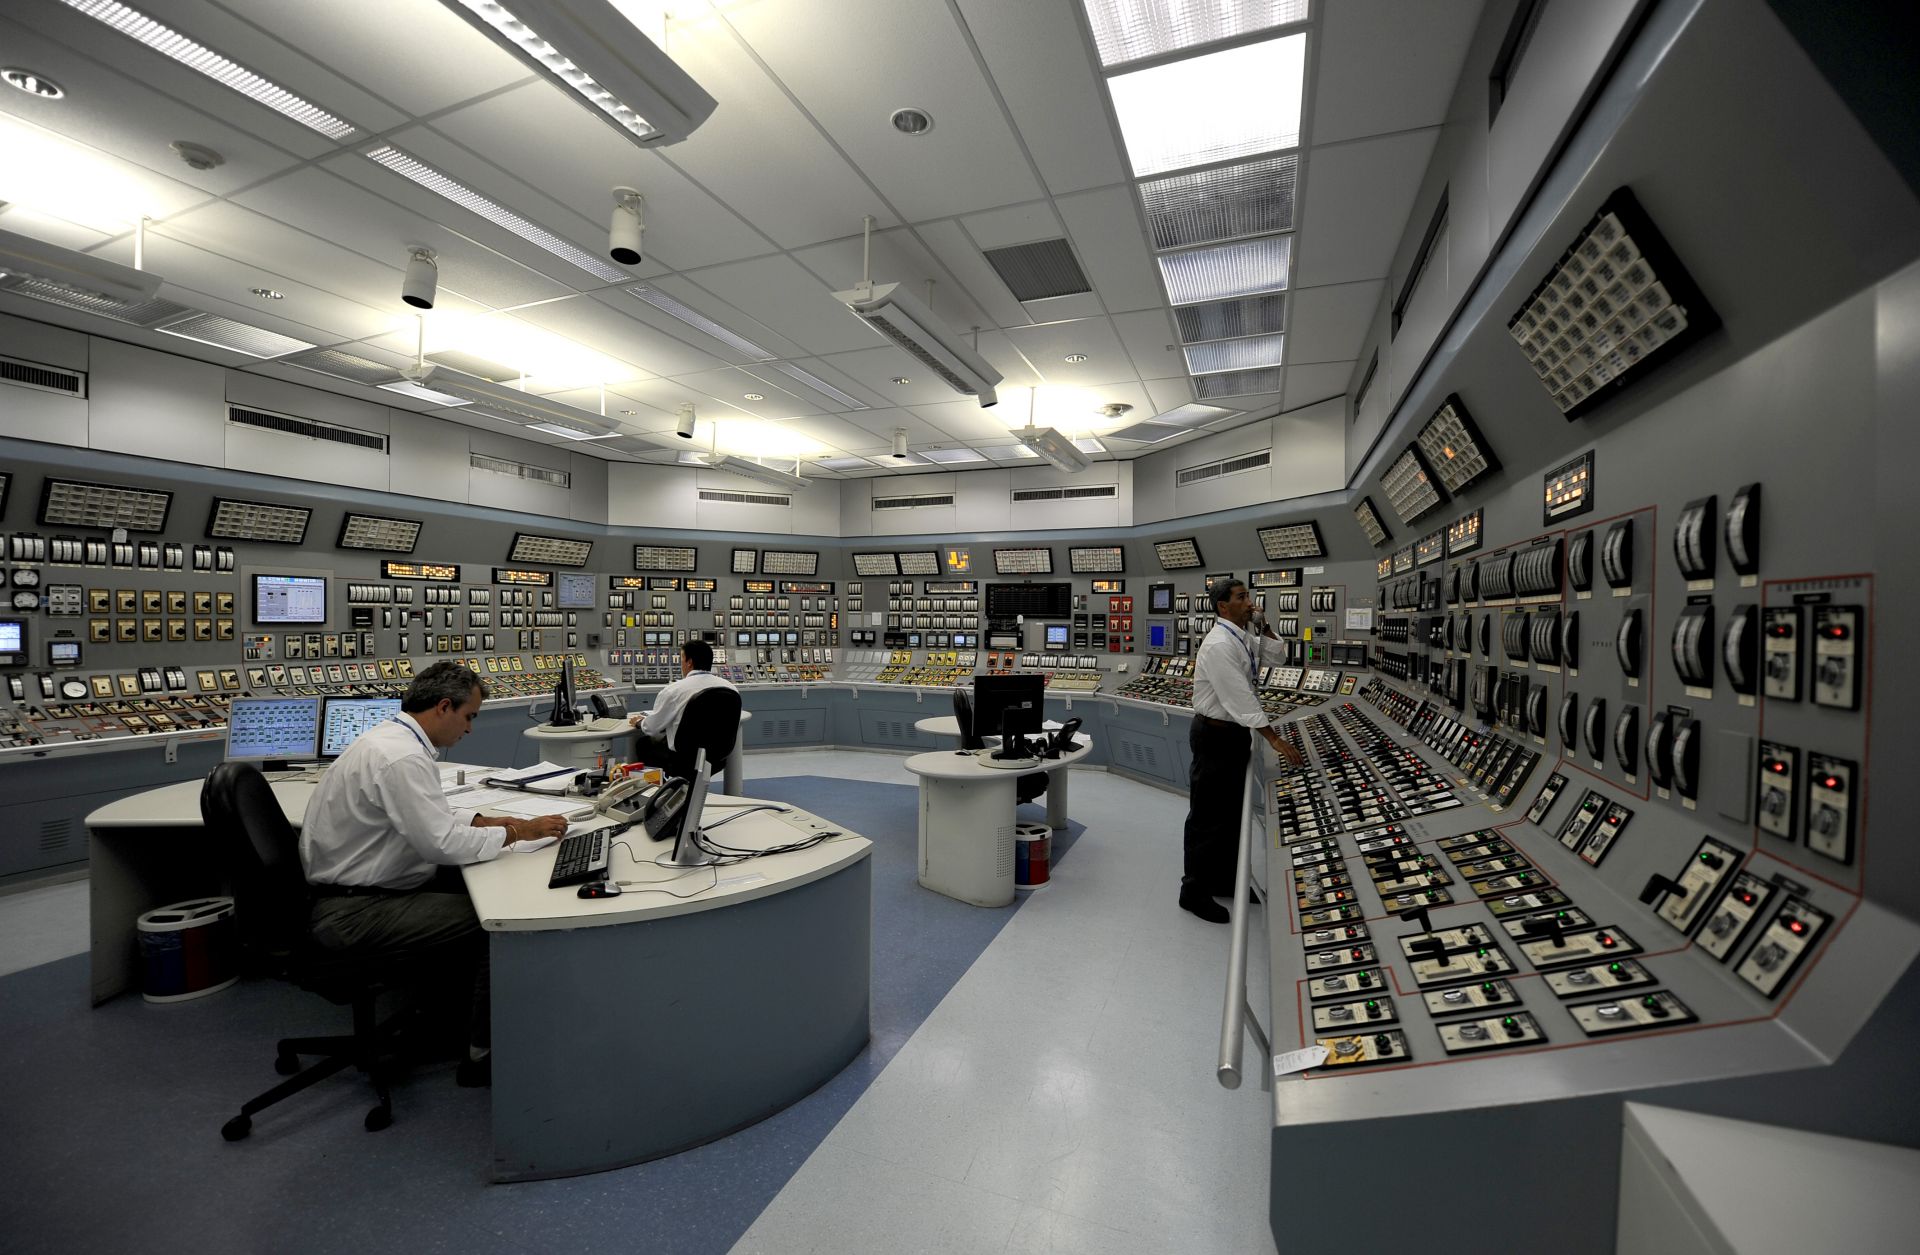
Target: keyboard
x=579, y=858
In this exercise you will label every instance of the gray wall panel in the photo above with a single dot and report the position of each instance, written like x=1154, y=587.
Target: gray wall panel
x=156, y=405
x=427, y=457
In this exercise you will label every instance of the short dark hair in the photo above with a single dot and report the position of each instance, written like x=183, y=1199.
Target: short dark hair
x=699, y=653
x=1221, y=591
x=443, y=681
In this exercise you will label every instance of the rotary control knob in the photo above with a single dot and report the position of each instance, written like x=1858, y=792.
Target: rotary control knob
x=1609, y=1010
x=1346, y=1047
x=1473, y=1032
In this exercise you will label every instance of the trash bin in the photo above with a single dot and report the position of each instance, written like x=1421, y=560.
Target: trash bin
x=1032, y=854
x=188, y=950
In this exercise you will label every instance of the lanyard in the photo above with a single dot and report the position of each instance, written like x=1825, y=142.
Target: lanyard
x=415, y=734
x=1252, y=646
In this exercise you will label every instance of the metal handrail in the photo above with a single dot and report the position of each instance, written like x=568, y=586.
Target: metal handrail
x=1236, y=1014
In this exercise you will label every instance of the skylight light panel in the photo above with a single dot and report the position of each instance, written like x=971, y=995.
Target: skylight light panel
x=1212, y=107
x=420, y=392
x=1190, y=415
x=1203, y=359
x=1222, y=203
x=1128, y=30
x=1227, y=270
x=952, y=457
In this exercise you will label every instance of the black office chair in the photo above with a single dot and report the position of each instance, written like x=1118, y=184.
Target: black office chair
x=709, y=727
x=271, y=904
x=1027, y=788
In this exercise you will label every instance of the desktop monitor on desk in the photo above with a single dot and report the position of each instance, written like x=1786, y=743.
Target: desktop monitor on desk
x=1011, y=707
x=566, y=709
x=343, y=719
x=272, y=731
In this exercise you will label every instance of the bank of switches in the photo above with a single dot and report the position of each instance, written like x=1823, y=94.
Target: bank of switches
x=1168, y=681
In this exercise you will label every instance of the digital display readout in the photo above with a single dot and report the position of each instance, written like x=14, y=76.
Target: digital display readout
x=1568, y=489
x=432, y=572
x=514, y=575
x=1463, y=534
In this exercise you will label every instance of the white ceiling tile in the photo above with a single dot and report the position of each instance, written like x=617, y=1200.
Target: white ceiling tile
x=1014, y=224
x=959, y=420
x=328, y=317
x=876, y=368
x=23, y=221
x=678, y=347
x=1327, y=324
x=1106, y=234
x=961, y=257
x=320, y=203
x=285, y=255
x=1388, y=65
x=729, y=386
x=780, y=293
x=1355, y=204
x=1044, y=70
x=899, y=257
x=606, y=329
x=1065, y=308
x=1150, y=342
x=739, y=321
x=833, y=430
x=82, y=185
x=908, y=52
x=1316, y=382
x=1172, y=393
x=685, y=225
x=1048, y=345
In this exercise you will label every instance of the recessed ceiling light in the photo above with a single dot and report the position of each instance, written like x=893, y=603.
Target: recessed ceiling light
x=1212, y=107
x=266, y=294
x=1076, y=357
x=911, y=121
x=901, y=379
x=755, y=396
x=1125, y=31
x=33, y=84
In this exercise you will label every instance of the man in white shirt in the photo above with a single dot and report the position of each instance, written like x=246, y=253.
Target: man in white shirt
x=1226, y=703
x=379, y=841
x=653, y=742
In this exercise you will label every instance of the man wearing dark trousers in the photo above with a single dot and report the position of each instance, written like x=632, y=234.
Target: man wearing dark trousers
x=653, y=740
x=1226, y=704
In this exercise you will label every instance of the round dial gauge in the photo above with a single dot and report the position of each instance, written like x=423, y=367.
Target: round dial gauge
x=26, y=577
x=26, y=601
x=73, y=690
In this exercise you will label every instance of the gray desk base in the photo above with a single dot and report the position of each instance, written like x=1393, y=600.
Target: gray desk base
x=634, y=1041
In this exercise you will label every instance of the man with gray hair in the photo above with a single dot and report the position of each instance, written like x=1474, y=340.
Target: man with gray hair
x=380, y=844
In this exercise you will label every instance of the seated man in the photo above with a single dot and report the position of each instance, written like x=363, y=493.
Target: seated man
x=379, y=839
x=653, y=742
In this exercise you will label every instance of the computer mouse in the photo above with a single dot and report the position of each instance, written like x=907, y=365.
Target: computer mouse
x=598, y=889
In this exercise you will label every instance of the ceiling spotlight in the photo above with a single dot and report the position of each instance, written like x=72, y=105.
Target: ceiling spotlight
x=900, y=443
x=266, y=294
x=911, y=121
x=31, y=83
x=623, y=236
x=901, y=379
x=423, y=279
x=755, y=396
x=1075, y=357
x=684, y=429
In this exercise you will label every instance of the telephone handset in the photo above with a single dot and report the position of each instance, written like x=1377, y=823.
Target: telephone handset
x=610, y=799
x=656, y=807
x=1062, y=741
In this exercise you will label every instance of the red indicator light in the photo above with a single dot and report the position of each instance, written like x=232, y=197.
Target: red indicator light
x=1831, y=782
x=1795, y=926
x=1605, y=940
x=1777, y=767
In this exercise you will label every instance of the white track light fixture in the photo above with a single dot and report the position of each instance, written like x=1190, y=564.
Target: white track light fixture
x=685, y=428
x=900, y=443
x=623, y=236
x=423, y=279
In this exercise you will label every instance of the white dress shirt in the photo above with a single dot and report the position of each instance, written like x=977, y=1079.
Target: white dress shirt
x=379, y=818
x=664, y=719
x=1224, y=671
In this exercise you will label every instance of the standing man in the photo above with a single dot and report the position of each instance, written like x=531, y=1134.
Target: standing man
x=1225, y=705
x=653, y=742
x=379, y=840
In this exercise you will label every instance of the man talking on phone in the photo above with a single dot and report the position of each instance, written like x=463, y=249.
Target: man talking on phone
x=1226, y=711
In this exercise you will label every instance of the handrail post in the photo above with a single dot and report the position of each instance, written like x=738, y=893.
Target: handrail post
x=1235, y=1015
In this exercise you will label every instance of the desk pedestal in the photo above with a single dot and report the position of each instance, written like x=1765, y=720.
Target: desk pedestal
x=966, y=837
x=629, y=1042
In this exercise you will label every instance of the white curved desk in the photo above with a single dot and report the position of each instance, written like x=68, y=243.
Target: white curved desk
x=624, y=1029
x=608, y=740
x=966, y=821
x=948, y=725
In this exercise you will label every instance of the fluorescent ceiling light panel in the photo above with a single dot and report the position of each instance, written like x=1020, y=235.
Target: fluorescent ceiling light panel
x=1224, y=203
x=236, y=337
x=1224, y=271
x=567, y=432
x=747, y=468
x=687, y=457
x=698, y=321
x=845, y=464
x=410, y=167
x=1190, y=415
x=1129, y=30
x=1048, y=444
x=1247, y=354
x=1087, y=444
x=952, y=456
x=203, y=60
x=28, y=266
x=420, y=392
x=594, y=50
x=1011, y=453
x=1229, y=320
x=1212, y=107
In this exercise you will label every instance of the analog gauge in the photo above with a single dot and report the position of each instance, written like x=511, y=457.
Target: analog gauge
x=73, y=690
x=26, y=577
x=26, y=601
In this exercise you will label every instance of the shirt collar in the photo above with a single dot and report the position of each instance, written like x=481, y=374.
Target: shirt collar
x=1239, y=633
x=413, y=725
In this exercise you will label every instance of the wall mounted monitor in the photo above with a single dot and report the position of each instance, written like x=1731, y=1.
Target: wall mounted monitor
x=920, y=562
x=1411, y=491
x=1292, y=540
x=1023, y=562
x=263, y=521
x=576, y=591
x=1454, y=447
x=789, y=562
x=78, y=503
x=378, y=532
x=1101, y=560
x=1159, y=599
x=13, y=642
x=1430, y=548
x=1403, y=560
x=1178, y=555
x=287, y=599
x=1056, y=637
x=1369, y=519
x=272, y=729
x=549, y=550
x=1567, y=489
x=63, y=654
x=876, y=564
x=1383, y=569
x=665, y=557
x=343, y=719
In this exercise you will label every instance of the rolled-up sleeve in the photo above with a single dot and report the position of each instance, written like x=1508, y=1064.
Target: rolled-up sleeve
x=409, y=791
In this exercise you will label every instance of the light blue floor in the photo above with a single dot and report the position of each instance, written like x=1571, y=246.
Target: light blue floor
x=1059, y=1096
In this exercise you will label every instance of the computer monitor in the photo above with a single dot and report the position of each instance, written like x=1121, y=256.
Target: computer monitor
x=343, y=719
x=1011, y=707
x=13, y=642
x=289, y=599
x=566, y=711
x=1056, y=636
x=272, y=730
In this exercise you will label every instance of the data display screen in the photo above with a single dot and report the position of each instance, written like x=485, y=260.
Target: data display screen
x=576, y=590
x=289, y=599
x=347, y=717
x=272, y=727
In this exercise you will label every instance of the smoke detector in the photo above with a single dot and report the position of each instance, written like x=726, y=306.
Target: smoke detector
x=197, y=156
x=1116, y=409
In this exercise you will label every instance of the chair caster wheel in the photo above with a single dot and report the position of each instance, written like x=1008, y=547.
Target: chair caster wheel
x=286, y=1065
x=379, y=1118
x=237, y=1128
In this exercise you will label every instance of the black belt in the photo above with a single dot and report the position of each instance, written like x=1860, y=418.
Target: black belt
x=1211, y=722
x=358, y=891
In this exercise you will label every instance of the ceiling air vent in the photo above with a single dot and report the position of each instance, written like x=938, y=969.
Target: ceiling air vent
x=520, y=470
x=747, y=498
x=1090, y=492
x=1237, y=383
x=240, y=337
x=22, y=374
x=1034, y=272
x=287, y=425
x=1227, y=466
x=343, y=366
x=913, y=503
x=1147, y=433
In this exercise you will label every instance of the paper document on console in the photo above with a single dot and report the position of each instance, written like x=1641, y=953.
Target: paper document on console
x=544, y=777
x=522, y=806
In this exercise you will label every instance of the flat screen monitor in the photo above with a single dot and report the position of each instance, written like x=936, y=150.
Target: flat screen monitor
x=793, y=638
x=1056, y=636
x=345, y=718
x=1008, y=705
x=742, y=640
x=913, y=640
x=1159, y=636
x=1159, y=599
x=63, y=653
x=289, y=599
x=576, y=590
x=13, y=642
x=272, y=729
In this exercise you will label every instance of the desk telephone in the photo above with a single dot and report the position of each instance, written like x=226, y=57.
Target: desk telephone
x=658, y=808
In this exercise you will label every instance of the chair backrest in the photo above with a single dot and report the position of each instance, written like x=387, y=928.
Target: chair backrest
x=970, y=739
x=711, y=722
x=261, y=853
